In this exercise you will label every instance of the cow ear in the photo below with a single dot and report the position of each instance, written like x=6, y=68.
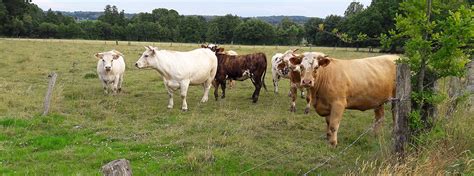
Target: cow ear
x=116, y=54
x=295, y=60
x=203, y=46
x=99, y=55
x=323, y=61
x=220, y=50
x=281, y=66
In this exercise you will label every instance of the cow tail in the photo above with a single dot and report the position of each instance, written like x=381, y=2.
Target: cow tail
x=264, y=73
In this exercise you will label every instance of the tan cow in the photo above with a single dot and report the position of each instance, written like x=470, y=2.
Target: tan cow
x=336, y=85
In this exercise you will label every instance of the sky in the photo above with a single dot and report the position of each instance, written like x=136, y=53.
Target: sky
x=244, y=8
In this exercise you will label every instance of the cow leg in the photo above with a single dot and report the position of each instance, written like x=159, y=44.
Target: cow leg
x=115, y=84
x=120, y=83
x=223, y=89
x=302, y=92
x=184, y=91
x=308, y=104
x=216, y=89
x=379, y=114
x=258, y=86
x=337, y=109
x=207, y=86
x=105, y=86
x=170, y=96
x=276, y=78
x=293, y=90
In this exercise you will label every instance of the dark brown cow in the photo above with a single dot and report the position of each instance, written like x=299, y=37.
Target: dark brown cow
x=240, y=67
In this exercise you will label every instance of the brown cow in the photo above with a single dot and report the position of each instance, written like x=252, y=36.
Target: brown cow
x=295, y=81
x=240, y=67
x=336, y=85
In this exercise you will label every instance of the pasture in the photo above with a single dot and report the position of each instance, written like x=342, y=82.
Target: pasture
x=86, y=128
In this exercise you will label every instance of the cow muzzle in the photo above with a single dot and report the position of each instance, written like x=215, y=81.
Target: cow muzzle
x=306, y=83
x=137, y=65
x=108, y=68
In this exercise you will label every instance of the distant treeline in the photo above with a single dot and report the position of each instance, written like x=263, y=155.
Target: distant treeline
x=274, y=20
x=19, y=18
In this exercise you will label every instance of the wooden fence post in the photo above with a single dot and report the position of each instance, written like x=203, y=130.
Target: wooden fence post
x=47, y=99
x=401, y=107
x=470, y=84
x=119, y=167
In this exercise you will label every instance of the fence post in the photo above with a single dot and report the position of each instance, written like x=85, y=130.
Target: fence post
x=401, y=107
x=47, y=99
x=470, y=84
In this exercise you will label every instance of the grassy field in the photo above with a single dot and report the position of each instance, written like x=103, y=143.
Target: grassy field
x=87, y=129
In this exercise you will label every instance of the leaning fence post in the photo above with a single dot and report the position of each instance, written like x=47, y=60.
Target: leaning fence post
x=47, y=100
x=401, y=107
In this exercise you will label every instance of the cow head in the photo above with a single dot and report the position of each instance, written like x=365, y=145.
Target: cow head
x=148, y=58
x=283, y=61
x=307, y=64
x=107, y=58
x=212, y=47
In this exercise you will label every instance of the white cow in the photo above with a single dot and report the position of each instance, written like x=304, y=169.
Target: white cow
x=110, y=69
x=281, y=60
x=181, y=69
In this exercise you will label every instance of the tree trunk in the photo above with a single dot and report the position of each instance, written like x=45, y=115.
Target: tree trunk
x=119, y=167
x=401, y=107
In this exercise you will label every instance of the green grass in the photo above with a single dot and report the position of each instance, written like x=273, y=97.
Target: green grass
x=87, y=129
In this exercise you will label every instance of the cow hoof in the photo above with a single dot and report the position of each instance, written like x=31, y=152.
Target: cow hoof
x=306, y=111
x=184, y=110
x=222, y=97
x=254, y=100
x=333, y=144
x=119, y=90
x=170, y=107
x=203, y=100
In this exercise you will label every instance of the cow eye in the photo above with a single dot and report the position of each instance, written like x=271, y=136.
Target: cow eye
x=146, y=55
x=103, y=60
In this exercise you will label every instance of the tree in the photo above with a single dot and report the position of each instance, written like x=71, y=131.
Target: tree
x=289, y=33
x=221, y=29
x=104, y=30
x=312, y=34
x=354, y=8
x=113, y=16
x=192, y=29
x=437, y=34
x=47, y=30
x=255, y=32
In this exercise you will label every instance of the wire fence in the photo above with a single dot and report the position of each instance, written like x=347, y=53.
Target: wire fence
x=319, y=165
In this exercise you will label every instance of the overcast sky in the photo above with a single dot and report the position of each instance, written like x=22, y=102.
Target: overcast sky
x=245, y=8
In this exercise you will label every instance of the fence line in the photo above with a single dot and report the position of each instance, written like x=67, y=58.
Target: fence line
x=320, y=164
x=344, y=150
x=271, y=159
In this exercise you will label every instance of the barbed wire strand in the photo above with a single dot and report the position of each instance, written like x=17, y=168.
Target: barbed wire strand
x=271, y=159
x=321, y=164
x=344, y=150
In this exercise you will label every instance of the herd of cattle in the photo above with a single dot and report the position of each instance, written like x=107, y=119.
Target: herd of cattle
x=331, y=85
